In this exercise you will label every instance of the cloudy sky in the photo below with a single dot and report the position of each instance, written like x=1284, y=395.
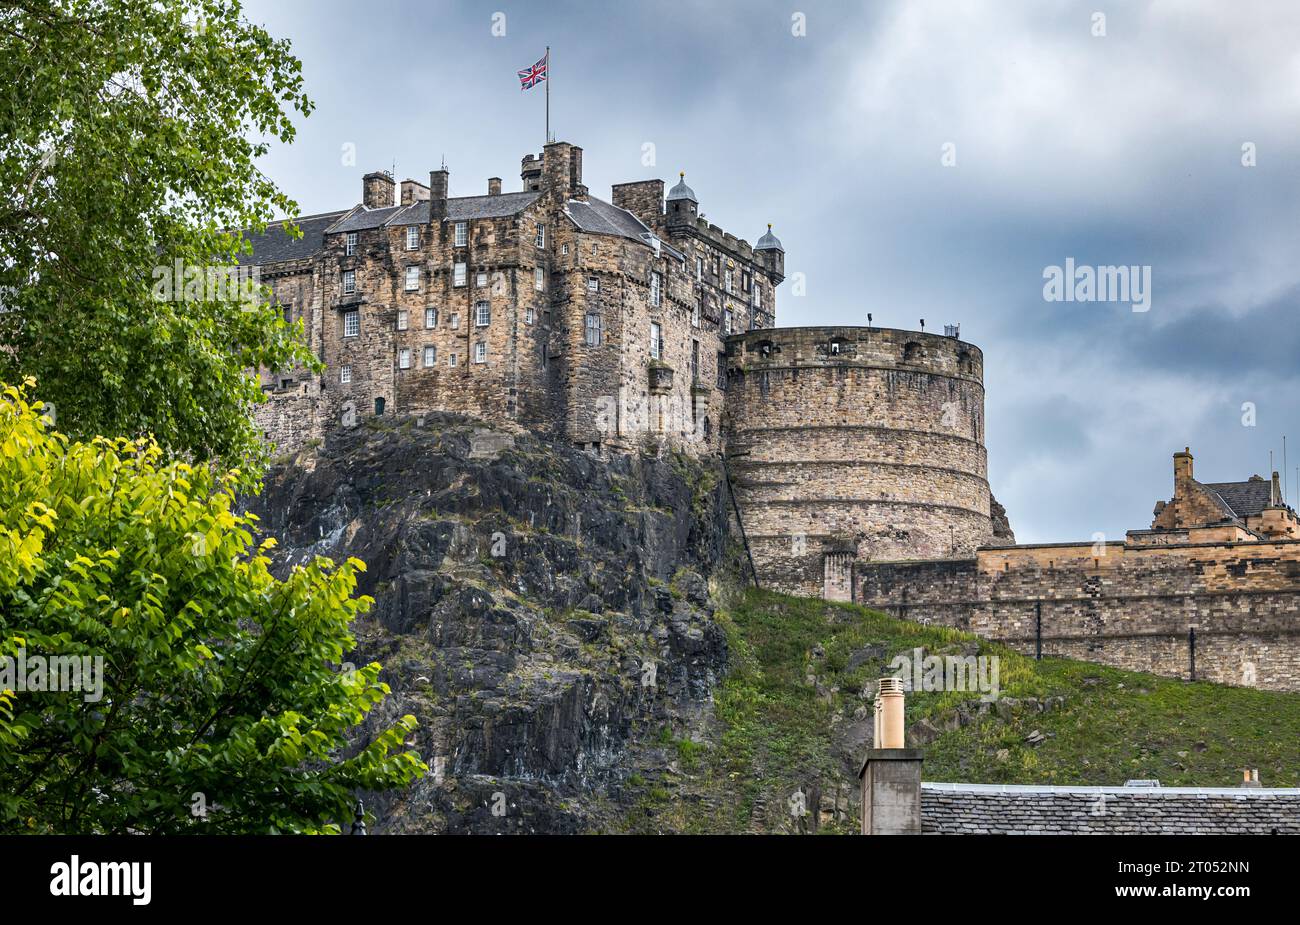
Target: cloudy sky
x=1122, y=148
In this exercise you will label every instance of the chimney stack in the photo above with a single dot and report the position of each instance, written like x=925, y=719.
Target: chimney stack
x=1250, y=778
x=378, y=190
x=1276, y=499
x=891, y=773
x=413, y=191
x=494, y=186
x=438, y=180
x=1182, y=466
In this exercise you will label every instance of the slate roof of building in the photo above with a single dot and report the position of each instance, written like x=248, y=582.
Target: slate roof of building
x=275, y=245
x=1244, y=498
x=1004, y=809
x=594, y=215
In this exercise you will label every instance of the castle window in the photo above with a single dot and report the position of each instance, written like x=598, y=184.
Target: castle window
x=722, y=371
x=430, y=317
x=540, y=238
x=412, y=237
x=695, y=361
x=480, y=352
x=351, y=323
x=835, y=348
x=593, y=329
x=695, y=312
x=455, y=321
x=345, y=374
x=744, y=280
x=350, y=244
x=727, y=281
x=656, y=340
x=912, y=352
x=402, y=319
x=564, y=250
x=539, y=279
x=699, y=268
x=593, y=284
x=482, y=314
x=528, y=315
x=404, y=358
x=412, y=279
x=965, y=362
x=726, y=321
x=480, y=280
x=349, y=282
x=461, y=234
x=451, y=359
x=430, y=356
x=458, y=275
x=758, y=296
x=656, y=281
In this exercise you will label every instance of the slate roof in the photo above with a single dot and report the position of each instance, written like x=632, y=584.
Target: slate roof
x=1244, y=498
x=275, y=245
x=596, y=216
x=1004, y=809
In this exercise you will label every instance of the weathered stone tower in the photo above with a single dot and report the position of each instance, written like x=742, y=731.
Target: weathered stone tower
x=848, y=444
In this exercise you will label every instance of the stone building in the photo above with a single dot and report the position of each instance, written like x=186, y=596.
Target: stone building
x=602, y=323
x=1210, y=591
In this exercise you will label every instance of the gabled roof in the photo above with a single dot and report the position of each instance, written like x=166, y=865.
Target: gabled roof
x=1244, y=498
x=274, y=245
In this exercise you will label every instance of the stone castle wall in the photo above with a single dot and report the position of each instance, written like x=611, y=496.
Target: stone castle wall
x=1133, y=607
x=865, y=441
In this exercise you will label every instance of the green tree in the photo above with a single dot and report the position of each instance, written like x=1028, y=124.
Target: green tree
x=129, y=138
x=224, y=704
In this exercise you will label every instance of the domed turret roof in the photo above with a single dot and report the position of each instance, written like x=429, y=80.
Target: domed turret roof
x=769, y=241
x=681, y=190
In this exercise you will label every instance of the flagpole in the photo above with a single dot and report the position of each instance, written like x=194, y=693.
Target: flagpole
x=548, y=94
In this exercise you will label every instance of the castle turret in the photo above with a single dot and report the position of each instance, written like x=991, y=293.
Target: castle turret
x=682, y=205
x=771, y=254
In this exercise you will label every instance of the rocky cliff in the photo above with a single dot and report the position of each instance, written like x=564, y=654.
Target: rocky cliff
x=543, y=613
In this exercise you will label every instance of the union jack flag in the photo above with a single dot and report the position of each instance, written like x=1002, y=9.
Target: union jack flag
x=531, y=76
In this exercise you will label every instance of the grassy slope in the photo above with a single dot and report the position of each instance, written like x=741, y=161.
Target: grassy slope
x=787, y=710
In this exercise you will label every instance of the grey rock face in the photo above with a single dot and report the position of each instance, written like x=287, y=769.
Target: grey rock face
x=544, y=614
